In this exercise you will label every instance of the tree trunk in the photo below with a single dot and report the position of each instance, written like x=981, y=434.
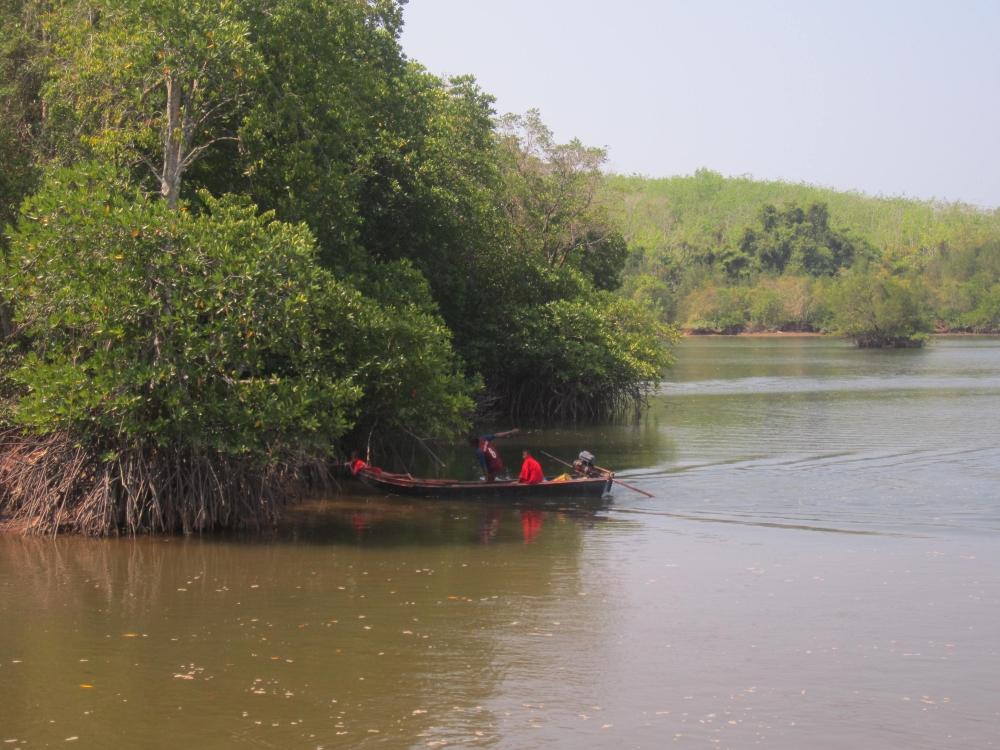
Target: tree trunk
x=6, y=320
x=173, y=144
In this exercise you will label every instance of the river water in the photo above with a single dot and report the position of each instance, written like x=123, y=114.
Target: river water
x=819, y=567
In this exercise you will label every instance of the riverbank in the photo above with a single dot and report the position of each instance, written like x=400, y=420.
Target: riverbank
x=760, y=334
x=818, y=334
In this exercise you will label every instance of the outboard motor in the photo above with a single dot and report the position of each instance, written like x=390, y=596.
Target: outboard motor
x=584, y=464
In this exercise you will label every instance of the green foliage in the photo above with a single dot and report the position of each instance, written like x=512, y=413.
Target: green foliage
x=767, y=309
x=542, y=322
x=216, y=330
x=412, y=381
x=984, y=317
x=878, y=309
x=21, y=72
x=23, y=59
x=962, y=283
x=148, y=326
x=441, y=211
x=150, y=82
x=707, y=210
x=653, y=293
x=655, y=278
x=717, y=309
x=800, y=240
x=550, y=190
x=728, y=231
x=583, y=357
x=408, y=251
x=601, y=259
x=328, y=121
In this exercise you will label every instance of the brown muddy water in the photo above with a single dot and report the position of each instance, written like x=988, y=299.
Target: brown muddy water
x=819, y=567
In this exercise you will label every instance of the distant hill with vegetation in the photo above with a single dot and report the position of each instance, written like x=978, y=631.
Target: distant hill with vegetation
x=735, y=254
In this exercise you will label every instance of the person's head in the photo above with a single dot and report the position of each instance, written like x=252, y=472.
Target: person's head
x=525, y=453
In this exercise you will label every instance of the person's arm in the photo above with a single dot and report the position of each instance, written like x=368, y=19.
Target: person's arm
x=508, y=433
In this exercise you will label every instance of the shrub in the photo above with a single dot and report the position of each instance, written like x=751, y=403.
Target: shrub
x=878, y=309
x=584, y=358
x=716, y=309
x=188, y=362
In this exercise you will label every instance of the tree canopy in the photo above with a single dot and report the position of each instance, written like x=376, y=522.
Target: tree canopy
x=242, y=238
x=881, y=310
x=799, y=240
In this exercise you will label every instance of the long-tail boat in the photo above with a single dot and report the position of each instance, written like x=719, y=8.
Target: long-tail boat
x=560, y=488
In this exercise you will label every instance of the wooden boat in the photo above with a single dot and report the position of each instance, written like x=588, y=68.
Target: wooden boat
x=591, y=488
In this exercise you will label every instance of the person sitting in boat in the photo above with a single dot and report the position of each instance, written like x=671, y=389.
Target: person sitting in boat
x=488, y=455
x=357, y=463
x=531, y=470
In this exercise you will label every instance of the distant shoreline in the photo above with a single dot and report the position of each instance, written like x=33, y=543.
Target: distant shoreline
x=811, y=334
x=759, y=334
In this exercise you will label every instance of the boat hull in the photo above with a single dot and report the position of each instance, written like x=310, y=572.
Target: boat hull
x=404, y=484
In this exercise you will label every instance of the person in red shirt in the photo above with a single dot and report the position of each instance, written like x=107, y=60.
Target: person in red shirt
x=531, y=470
x=356, y=464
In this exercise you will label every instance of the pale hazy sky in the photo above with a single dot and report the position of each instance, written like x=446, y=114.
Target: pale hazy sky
x=884, y=97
